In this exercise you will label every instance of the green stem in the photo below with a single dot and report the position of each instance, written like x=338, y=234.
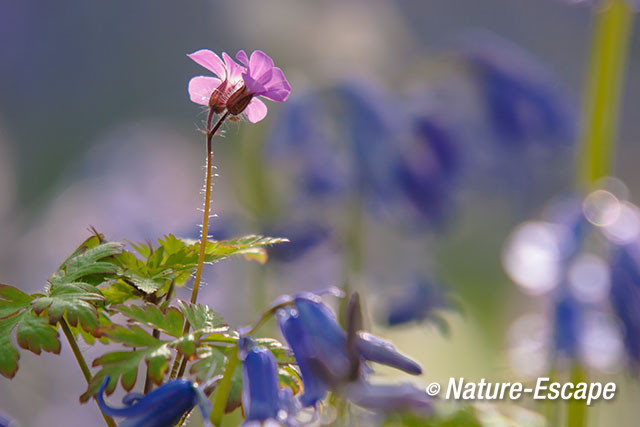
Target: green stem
x=609, y=51
x=207, y=203
x=354, y=247
x=550, y=408
x=224, y=387
x=577, y=416
x=81, y=362
x=211, y=132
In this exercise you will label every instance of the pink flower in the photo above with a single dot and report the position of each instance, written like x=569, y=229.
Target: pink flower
x=237, y=87
x=211, y=91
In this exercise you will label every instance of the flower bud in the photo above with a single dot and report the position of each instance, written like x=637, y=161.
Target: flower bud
x=239, y=100
x=217, y=100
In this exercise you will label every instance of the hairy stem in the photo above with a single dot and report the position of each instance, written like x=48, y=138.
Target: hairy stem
x=224, y=387
x=81, y=362
x=207, y=203
x=609, y=51
x=211, y=132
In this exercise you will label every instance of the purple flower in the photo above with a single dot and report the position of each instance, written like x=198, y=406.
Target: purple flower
x=625, y=296
x=237, y=87
x=261, y=398
x=567, y=326
x=426, y=170
x=417, y=303
x=328, y=356
x=524, y=99
x=390, y=397
x=162, y=407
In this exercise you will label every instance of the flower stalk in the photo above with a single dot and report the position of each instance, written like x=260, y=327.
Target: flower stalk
x=224, y=387
x=180, y=364
x=609, y=51
x=81, y=362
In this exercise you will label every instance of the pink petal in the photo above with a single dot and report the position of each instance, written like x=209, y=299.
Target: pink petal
x=201, y=88
x=259, y=65
x=254, y=86
x=234, y=70
x=210, y=61
x=256, y=110
x=278, y=89
x=242, y=57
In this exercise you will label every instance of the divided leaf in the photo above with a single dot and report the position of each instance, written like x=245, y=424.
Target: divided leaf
x=124, y=364
x=91, y=262
x=77, y=300
x=175, y=260
x=32, y=333
x=155, y=352
x=201, y=316
x=12, y=300
x=251, y=247
x=150, y=315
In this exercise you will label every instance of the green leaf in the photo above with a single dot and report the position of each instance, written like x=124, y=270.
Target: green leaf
x=118, y=292
x=154, y=351
x=251, y=247
x=119, y=365
x=211, y=362
x=201, y=316
x=175, y=260
x=171, y=322
x=77, y=300
x=12, y=300
x=89, y=260
x=8, y=354
x=32, y=333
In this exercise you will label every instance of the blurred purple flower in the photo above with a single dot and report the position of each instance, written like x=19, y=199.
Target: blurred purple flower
x=162, y=407
x=356, y=140
x=524, y=99
x=371, y=120
x=568, y=326
x=418, y=302
x=6, y=422
x=426, y=171
x=302, y=139
x=625, y=296
x=390, y=397
x=303, y=237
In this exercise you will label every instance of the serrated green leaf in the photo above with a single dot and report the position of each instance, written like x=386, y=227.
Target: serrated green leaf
x=32, y=333
x=12, y=300
x=35, y=335
x=133, y=336
x=119, y=365
x=118, y=292
x=154, y=351
x=251, y=247
x=75, y=300
x=90, y=259
x=8, y=354
x=201, y=316
x=170, y=322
